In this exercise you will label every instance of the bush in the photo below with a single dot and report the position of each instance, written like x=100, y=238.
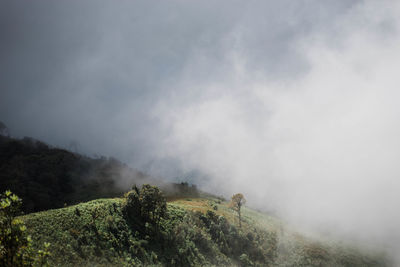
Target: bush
x=245, y=261
x=15, y=245
x=146, y=205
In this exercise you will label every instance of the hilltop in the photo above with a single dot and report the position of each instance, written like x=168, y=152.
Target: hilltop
x=201, y=231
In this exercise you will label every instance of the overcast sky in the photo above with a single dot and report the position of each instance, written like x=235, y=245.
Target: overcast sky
x=294, y=103
x=95, y=72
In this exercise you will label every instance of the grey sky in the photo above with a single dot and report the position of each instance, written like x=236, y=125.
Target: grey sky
x=92, y=71
x=294, y=103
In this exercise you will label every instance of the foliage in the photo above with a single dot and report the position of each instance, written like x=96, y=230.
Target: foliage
x=237, y=201
x=47, y=177
x=15, y=245
x=245, y=261
x=147, y=205
x=99, y=233
x=180, y=190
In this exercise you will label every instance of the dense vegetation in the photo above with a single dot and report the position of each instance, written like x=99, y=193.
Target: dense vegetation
x=141, y=230
x=15, y=245
x=46, y=177
x=98, y=233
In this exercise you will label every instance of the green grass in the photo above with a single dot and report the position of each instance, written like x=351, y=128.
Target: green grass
x=78, y=234
x=293, y=249
x=96, y=233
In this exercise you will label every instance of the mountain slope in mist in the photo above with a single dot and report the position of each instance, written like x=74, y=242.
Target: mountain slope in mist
x=200, y=231
x=46, y=177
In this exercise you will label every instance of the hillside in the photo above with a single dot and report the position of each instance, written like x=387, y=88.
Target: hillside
x=199, y=231
x=46, y=177
x=191, y=229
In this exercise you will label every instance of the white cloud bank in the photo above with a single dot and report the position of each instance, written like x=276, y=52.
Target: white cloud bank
x=321, y=149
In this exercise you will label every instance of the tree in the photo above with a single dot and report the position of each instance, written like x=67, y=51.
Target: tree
x=154, y=205
x=145, y=205
x=236, y=204
x=15, y=245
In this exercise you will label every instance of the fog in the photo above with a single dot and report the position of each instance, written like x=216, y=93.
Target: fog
x=292, y=103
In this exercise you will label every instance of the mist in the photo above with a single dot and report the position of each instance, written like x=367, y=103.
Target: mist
x=294, y=104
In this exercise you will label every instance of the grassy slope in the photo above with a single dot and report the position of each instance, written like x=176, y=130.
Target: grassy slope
x=294, y=249
x=71, y=231
x=96, y=233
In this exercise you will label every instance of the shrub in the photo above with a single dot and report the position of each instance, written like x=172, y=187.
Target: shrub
x=146, y=205
x=245, y=261
x=15, y=245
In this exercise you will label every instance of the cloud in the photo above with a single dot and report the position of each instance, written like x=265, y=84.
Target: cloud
x=293, y=103
x=320, y=149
